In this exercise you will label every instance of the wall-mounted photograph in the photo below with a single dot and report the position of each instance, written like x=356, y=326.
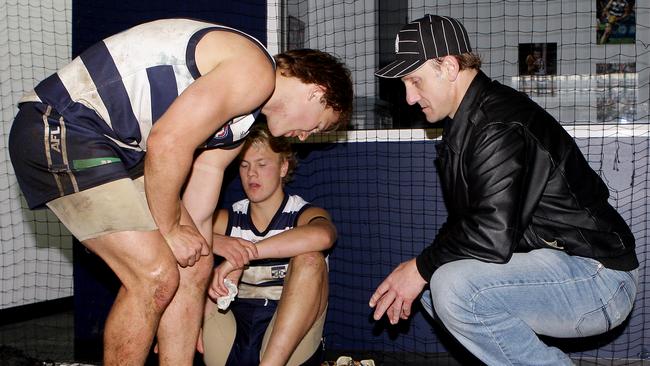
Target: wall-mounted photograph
x=617, y=84
x=615, y=21
x=538, y=59
x=537, y=68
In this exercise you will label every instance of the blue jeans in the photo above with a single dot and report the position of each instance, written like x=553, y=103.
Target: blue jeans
x=497, y=310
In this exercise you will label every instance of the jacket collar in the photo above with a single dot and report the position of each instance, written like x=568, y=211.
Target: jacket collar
x=468, y=112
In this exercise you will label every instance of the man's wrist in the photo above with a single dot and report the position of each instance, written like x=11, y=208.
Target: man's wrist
x=424, y=267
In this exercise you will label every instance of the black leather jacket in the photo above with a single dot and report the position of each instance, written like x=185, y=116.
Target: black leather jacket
x=514, y=180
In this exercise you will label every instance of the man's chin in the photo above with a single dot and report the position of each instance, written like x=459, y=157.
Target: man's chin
x=434, y=120
x=272, y=128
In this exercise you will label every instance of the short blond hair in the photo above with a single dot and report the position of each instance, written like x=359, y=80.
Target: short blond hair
x=260, y=134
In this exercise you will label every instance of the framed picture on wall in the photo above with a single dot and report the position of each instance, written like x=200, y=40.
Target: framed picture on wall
x=537, y=68
x=615, y=21
x=616, y=84
x=537, y=59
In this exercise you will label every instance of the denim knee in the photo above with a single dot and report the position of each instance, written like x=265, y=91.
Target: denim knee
x=451, y=291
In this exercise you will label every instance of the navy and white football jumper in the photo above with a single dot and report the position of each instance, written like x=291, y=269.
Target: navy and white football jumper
x=88, y=123
x=263, y=279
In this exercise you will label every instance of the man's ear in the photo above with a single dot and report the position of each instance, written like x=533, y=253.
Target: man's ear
x=284, y=168
x=451, y=67
x=316, y=91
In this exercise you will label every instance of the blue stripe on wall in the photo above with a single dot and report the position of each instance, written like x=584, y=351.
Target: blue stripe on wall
x=162, y=96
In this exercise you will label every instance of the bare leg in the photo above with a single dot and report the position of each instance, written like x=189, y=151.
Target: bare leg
x=148, y=272
x=179, y=326
x=304, y=299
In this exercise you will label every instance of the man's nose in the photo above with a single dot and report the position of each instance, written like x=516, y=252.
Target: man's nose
x=412, y=97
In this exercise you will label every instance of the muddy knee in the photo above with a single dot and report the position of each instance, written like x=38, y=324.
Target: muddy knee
x=160, y=283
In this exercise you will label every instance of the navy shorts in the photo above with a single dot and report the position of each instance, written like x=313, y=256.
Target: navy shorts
x=54, y=156
x=253, y=317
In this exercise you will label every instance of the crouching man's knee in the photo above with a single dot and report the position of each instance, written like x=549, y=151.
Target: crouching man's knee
x=451, y=292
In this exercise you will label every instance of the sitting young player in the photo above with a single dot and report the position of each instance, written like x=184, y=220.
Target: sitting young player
x=278, y=315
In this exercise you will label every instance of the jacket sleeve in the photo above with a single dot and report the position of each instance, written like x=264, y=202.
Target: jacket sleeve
x=503, y=189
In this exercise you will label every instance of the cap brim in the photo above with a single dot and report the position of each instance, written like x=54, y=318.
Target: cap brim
x=399, y=68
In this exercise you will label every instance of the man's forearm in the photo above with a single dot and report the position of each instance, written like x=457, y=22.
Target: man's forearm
x=299, y=240
x=164, y=175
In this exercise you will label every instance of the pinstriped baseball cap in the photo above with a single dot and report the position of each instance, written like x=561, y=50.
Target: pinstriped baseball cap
x=431, y=36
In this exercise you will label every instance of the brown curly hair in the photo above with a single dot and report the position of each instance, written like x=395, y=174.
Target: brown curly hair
x=324, y=69
x=260, y=134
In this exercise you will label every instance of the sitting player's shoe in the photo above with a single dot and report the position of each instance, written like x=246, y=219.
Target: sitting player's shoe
x=348, y=361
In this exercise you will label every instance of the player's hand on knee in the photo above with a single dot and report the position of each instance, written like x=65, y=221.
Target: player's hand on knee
x=187, y=244
x=235, y=250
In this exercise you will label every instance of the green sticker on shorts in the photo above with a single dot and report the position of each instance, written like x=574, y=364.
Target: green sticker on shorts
x=91, y=163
